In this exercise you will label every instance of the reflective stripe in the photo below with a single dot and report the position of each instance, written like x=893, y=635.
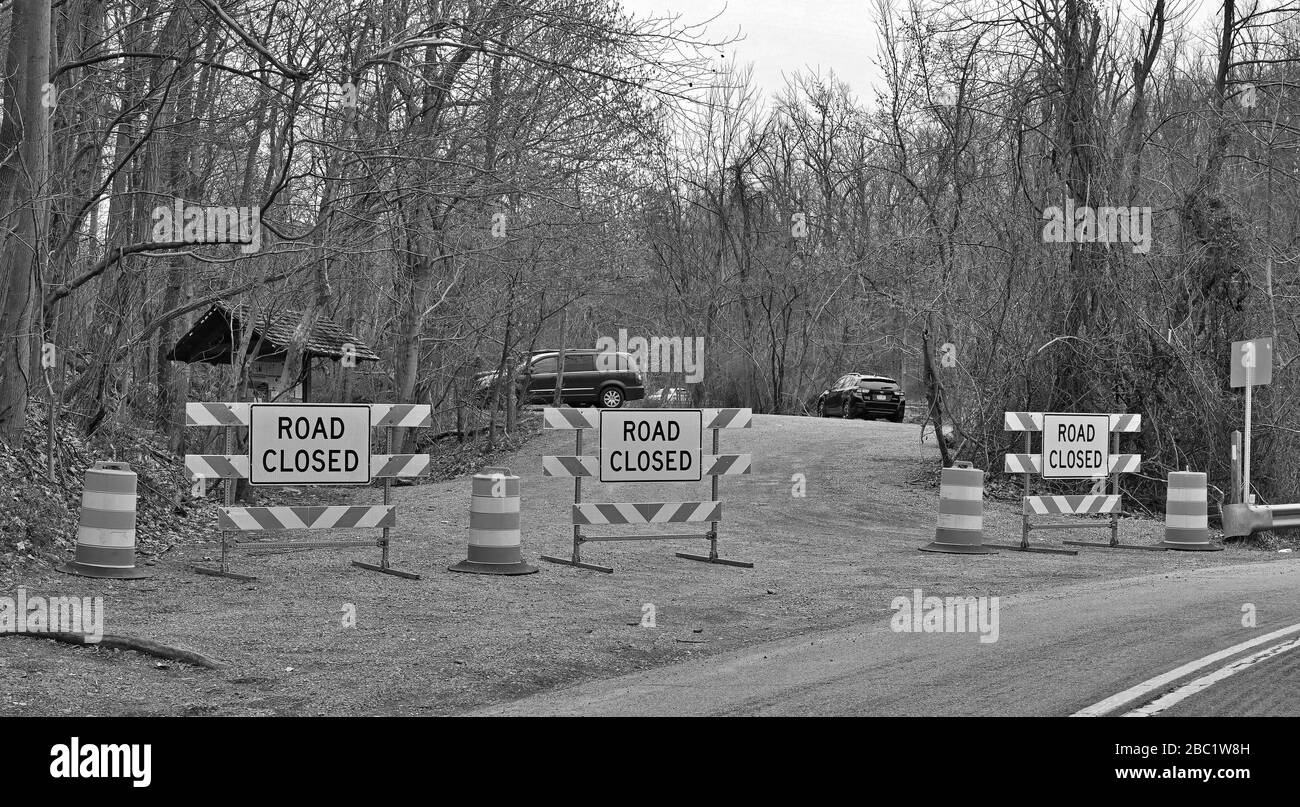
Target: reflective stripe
x=494, y=504
x=94, y=536
x=1175, y=521
x=481, y=537
x=116, y=502
x=954, y=521
x=961, y=493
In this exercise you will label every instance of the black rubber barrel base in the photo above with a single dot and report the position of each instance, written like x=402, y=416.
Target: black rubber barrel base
x=134, y=573
x=493, y=568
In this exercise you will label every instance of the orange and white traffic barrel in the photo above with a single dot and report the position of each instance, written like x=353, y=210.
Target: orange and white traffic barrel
x=1187, y=524
x=494, y=533
x=961, y=513
x=106, y=534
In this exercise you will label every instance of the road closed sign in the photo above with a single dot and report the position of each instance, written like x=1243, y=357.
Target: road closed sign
x=660, y=445
x=1076, y=446
x=311, y=444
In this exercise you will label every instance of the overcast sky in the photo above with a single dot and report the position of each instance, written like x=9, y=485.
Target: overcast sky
x=781, y=37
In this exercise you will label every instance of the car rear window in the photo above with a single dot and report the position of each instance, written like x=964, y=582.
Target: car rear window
x=546, y=365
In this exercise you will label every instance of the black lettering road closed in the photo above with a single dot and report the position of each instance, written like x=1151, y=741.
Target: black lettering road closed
x=311, y=444
x=1076, y=446
x=662, y=445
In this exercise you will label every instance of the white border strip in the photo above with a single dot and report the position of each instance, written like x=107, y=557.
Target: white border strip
x=1134, y=692
x=1204, y=682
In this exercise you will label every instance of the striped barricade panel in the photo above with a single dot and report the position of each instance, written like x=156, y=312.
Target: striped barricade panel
x=247, y=519
x=217, y=466
x=565, y=418
x=727, y=464
x=1022, y=464
x=401, y=466
x=646, y=512
x=1125, y=423
x=1125, y=463
x=1033, y=463
x=235, y=466
x=714, y=465
x=236, y=414
x=401, y=415
x=728, y=418
x=570, y=466
x=216, y=414
x=1033, y=422
x=1022, y=421
x=1070, y=505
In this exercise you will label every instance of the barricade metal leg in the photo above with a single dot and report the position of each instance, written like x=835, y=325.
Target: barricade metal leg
x=229, y=486
x=383, y=542
x=713, y=531
x=576, y=560
x=1114, y=517
x=1025, y=525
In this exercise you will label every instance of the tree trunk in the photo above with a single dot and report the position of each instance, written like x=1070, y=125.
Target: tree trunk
x=24, y=175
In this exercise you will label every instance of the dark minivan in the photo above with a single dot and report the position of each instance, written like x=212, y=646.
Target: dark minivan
x=591, y=378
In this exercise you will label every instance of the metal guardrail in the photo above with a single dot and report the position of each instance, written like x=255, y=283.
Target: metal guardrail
x=1240, y=520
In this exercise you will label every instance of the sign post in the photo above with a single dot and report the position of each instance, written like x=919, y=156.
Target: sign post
x=1252, y=363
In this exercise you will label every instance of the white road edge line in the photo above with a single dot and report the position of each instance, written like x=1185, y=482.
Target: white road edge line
x=1187, y=690
x=1134, y=692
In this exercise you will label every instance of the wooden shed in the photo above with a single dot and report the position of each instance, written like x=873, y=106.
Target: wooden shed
x=213, y=338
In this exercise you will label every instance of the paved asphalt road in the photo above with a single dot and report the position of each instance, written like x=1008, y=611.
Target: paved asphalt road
x=1057, y=652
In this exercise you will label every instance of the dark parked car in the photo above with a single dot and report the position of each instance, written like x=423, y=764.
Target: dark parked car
x=591, y=377
x=864, y=395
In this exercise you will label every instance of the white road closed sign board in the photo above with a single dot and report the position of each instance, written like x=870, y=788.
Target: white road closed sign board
x=312, y=444
x=1076, y=446
x=660, y=445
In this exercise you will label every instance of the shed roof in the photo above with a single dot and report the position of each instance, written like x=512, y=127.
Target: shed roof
x=210, y=340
